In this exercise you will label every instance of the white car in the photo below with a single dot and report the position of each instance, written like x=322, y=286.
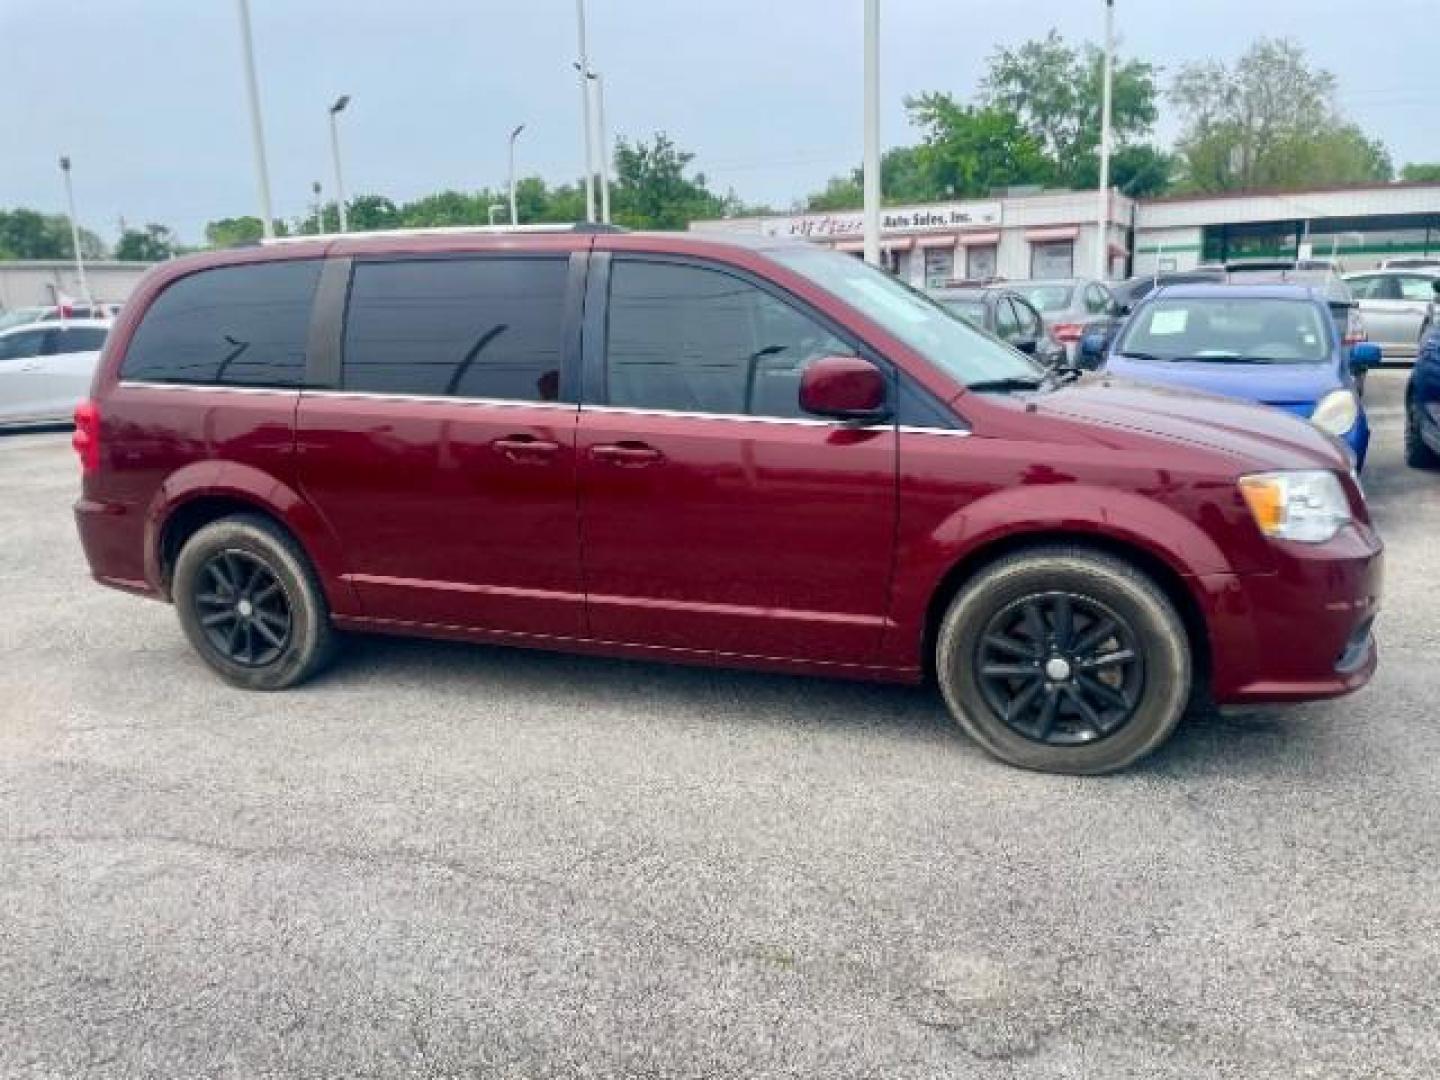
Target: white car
x=46, y=368
x=1398, y=306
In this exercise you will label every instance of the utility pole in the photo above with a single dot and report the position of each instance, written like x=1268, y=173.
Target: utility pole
x=584, y=71
x=872, y=132
x=75, y=232
x=257, y=128
x=335, y=111
x=1102, y=217
x=514, y=212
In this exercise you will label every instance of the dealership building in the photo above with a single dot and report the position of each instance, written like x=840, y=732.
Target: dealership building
x=1041, y=234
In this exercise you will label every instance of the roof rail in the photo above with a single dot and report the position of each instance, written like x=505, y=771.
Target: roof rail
x=455, y=230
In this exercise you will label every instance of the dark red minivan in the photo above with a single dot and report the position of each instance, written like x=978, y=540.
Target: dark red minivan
x=716, y=450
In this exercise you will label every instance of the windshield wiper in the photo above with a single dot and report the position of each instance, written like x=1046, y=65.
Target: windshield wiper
x=1006, y=384
x=1063, y=374
x=1144, y=356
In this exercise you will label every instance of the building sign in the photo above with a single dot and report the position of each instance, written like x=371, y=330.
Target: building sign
x=850, y=224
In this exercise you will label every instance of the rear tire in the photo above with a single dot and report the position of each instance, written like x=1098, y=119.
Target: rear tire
x=250, y=604
x=1064, y=660
x=1418, y=454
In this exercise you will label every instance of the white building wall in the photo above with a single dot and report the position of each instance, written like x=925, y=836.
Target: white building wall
x=31, y=283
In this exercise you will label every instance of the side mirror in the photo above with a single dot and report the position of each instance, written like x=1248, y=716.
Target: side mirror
x=843, y=387
x=1092, y=346
x=1364, y=355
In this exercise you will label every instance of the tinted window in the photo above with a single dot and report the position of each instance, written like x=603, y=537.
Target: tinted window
x=19, y=346
x=1047, y=297
x=1007, y=325
x=698, y=340
x=480, y=328
x=1417, y=288
x=77, y=339
x=1029, y=320
x=243, y=325
x=1096, y=299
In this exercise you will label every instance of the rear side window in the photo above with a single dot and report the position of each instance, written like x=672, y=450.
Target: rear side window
x=77, y=339
x=472, y=327
x=689, y=339
x=22, y=345
x=234, y=325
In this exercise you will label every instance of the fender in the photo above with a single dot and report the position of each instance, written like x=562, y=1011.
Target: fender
x=923, y=559
x=245, y=483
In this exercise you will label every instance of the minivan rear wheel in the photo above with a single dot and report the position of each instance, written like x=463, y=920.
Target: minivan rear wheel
x=1064, y=660
x=250, y=605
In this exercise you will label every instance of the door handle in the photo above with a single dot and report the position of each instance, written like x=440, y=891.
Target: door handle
x=525, y=447
x=626, y=454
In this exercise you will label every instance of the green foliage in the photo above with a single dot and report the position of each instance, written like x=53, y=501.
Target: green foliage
x=841, y=193
x=651, y=188
x=1270, y=121
x=239, y=230
x=971, y=150
x=1421, y=172
x=154, y=243
x=1054, y=89
x=29, y=234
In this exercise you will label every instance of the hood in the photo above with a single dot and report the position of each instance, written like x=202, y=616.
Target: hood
x=1256, y=437
x=1287, y=385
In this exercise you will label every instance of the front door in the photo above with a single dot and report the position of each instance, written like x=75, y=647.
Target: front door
x=20, y=364
x=715, y=515
x=445, y=460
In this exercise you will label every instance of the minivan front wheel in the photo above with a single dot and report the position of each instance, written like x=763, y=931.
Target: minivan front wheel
x=1064, y=660
x=250, y=605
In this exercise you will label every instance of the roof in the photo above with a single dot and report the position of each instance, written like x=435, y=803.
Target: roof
x=1260, y=193
x=1265, y=291
x=59, y=324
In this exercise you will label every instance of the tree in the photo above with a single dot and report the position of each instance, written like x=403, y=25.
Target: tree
x=29, y=234
x=154, y=243
x=1054, y=89
x=1421, y=172
x=841, y=193
x=651, y=188
x=227, y=232
x=1271, y=121
x=971, y=150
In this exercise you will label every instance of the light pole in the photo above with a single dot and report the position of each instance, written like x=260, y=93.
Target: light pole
x=1102, y=213
x=335, y=111
x=514, y=212
x=75, y=230
x=872, y=132
x=583, y=68
x=319, y=207
x=602, y=142
x=257, y=128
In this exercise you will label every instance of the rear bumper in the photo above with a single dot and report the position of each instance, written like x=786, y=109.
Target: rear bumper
x=1303, y=632
x=112, y=536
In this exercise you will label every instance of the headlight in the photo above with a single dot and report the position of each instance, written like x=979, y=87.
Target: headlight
x=1306, y=506
x=1336, y=413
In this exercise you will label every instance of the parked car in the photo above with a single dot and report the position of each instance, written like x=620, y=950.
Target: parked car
x=1412, y=262
x=725, y=450
x=57, y=313
x=22, y=316
x=1344, y=310
x=1009, y=316
x=1131, y=291
x=1422, y=405
x=1272, y=344
x=1072, y=308
x=1398, y=306
x=46, y=369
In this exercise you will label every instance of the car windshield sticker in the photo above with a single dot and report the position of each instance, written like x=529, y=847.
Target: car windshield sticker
x=1169, y=322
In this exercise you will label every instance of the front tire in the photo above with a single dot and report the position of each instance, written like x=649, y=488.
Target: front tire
x=1418, y=455
x=1064, y=660
x=250, y=604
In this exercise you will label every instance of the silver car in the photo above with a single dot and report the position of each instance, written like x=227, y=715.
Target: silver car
x=46, y=368
x=1072, y=308
x=1398, y=306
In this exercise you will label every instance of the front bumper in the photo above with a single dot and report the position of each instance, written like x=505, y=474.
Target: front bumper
x=1303, y=631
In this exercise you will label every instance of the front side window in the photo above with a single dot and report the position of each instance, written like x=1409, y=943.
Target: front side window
x=469, y=327
x=234, y=325
x=1250, y=329
x=1029, y=321
x=952, y=345
x=22, y=345
x=1047, y=297
x=77, y=339
x=1007, y=324
x=691, y=339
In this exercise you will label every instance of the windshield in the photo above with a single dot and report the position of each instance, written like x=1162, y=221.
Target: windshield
x=950, y=343
x=1047, y=297
x=1251, y=329
x=20, y=317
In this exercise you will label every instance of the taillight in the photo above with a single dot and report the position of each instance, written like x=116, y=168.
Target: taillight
x=1354, y=329
x=1068, y=333
x=86, y=439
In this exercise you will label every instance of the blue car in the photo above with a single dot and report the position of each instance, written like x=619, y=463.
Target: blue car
x=1280, y=345
x=1422, y=404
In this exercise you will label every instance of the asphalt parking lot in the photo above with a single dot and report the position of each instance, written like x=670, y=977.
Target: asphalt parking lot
x=446, y=860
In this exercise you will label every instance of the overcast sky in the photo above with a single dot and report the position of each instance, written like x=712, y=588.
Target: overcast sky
x=147, y=96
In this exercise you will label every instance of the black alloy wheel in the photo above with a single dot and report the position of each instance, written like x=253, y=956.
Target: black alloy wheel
x=243, y=609
x=1060, y=669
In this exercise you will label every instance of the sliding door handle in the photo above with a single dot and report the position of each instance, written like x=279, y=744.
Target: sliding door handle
x=630, y=454
x=525, y=447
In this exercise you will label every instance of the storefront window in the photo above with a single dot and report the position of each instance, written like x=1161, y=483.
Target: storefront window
x=980, y=262
x=1052, y=259
x=939, y=266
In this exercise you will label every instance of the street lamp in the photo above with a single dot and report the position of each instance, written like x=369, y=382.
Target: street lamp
x=871, y=163
x=514, y=214
x=75, y=230
x=1102, y=213
x=583, y=68
x=257, y=129
x=319, y=207
x=335, y=111
x=603, y=142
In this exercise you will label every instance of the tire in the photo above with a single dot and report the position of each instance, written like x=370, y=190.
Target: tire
x=275, y=605
x=1418, y=455
x=991, y=621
